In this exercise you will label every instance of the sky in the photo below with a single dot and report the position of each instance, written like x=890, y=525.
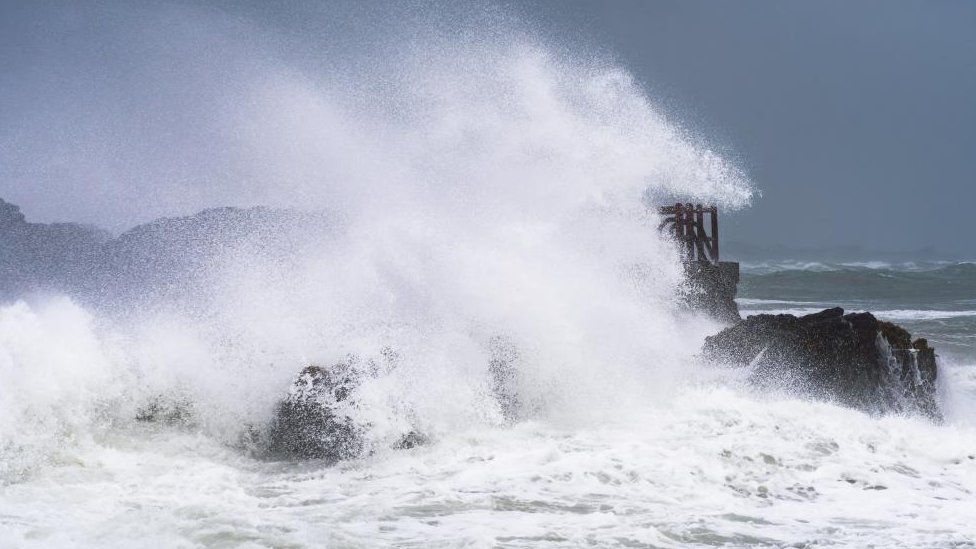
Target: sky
x=856, y=121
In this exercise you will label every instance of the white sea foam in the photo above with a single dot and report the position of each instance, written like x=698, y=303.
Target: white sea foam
x=772, y=266
x=493, y=189
x=890, y=314
x=874, y=264
x=709, y=467
x=489, y=188
x=765, y=267
x=746, y=301
x=921, y=314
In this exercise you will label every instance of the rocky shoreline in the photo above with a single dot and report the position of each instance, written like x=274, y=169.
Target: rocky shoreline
x=852, y=359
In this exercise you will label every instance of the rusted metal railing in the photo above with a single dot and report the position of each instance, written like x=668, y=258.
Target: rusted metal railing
x=687, y=224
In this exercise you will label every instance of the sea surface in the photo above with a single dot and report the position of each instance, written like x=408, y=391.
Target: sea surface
x=935, y=300
x=419, y=192
x=707, y=463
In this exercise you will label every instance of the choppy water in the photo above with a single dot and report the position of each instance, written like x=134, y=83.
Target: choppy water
x=710, y=463
x=480, y=186
x=936, y=300
x=711, y=468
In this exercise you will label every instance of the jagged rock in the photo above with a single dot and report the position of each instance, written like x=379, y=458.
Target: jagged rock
x=854, y=359
x=312, y=421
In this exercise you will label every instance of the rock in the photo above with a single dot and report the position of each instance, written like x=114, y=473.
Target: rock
x=411, y=440
x=315, y=420
x=711, y=289
x=503, y=377
x=312, y=422
x=853, y=359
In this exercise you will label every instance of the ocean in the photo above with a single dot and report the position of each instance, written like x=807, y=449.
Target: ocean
x=931, y=299
x=466, y=194
x=707, y=463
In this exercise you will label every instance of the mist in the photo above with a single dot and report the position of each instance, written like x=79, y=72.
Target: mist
x=457, y=182
x=127, y=113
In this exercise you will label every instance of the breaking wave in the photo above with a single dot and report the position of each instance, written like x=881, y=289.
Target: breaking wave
x=460, y=187
x=491, y=189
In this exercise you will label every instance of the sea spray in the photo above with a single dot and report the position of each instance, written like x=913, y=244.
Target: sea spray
x=59, y=381
x=474, y=186
x=490, y=191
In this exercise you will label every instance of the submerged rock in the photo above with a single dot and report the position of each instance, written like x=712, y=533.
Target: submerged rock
x=854, y=359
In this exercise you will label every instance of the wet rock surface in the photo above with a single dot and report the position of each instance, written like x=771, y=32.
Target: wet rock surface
x=312, y=423
x=315, y=420
x=853, y=359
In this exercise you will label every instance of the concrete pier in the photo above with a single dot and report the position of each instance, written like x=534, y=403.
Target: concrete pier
x=712, y=283
x=712, y=288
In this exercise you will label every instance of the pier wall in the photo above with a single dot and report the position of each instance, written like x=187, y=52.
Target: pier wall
x=712, y=288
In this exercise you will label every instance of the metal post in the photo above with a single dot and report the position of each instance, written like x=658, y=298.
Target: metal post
x=714, y=211
x=683, y=236
x=701, y=239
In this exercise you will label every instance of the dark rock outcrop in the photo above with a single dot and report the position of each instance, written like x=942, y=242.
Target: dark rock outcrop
x=312, y=421
x=853, y=359
x=316, y=419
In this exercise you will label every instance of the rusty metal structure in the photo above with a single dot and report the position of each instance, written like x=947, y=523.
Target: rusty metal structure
x=698, y=240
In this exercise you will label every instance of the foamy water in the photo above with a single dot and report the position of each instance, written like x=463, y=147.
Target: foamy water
x=491, y=189
x=711, y=466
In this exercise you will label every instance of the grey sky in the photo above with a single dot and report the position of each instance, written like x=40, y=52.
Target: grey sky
x=856, y=120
